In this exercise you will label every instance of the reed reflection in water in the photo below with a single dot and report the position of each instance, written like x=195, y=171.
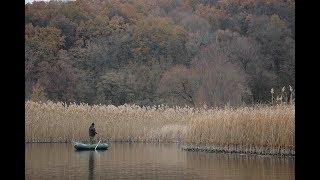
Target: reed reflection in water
x=149, y=161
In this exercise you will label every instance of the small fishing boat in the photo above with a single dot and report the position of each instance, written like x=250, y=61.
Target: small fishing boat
x=97, y=146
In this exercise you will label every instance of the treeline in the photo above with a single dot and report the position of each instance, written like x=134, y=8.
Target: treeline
x=149, y=52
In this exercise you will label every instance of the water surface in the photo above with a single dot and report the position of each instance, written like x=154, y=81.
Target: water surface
x=149, y=161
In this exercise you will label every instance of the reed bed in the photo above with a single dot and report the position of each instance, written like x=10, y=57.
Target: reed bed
x=259, y=129
x=262, y=130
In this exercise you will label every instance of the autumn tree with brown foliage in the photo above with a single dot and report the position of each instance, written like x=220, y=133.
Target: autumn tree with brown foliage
x=175, y=52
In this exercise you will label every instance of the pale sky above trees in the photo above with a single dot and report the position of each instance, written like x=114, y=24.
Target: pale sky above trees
x=27, y=1
x=30, y=1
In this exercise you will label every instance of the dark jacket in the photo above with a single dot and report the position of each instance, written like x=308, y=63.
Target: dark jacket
x=92, y=131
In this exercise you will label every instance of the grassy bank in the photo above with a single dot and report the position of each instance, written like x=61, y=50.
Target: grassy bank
x=261, y=130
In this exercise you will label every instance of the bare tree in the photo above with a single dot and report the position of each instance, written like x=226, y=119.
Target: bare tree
x=181, y=84
x=222, y=82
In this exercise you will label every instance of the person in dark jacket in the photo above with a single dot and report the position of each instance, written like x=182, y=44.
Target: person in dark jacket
x=92, y=133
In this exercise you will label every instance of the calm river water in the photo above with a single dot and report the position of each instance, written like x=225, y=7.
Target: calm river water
x=149, y=161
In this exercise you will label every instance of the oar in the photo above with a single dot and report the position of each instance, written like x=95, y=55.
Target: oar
x=97, y=145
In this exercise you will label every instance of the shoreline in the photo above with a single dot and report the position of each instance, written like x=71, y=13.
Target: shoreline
x=239, y=150
x=208, y=149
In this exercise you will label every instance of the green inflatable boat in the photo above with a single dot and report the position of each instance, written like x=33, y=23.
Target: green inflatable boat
x=98, y=146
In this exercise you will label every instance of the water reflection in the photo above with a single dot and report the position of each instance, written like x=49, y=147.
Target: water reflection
x=92, y=157
x=91, y=165
x=149, y=161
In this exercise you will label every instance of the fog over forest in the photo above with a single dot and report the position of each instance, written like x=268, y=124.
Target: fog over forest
x=151, y=52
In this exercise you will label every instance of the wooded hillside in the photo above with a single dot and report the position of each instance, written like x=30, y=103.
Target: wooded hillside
x=149, y=52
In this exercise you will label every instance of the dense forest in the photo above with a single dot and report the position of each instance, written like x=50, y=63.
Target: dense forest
x=150, y=52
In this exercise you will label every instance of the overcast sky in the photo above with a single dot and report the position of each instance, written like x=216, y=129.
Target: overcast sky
x=26, y=1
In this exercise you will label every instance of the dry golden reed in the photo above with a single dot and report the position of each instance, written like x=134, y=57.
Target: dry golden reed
x=263, y=130
x=245, y=129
